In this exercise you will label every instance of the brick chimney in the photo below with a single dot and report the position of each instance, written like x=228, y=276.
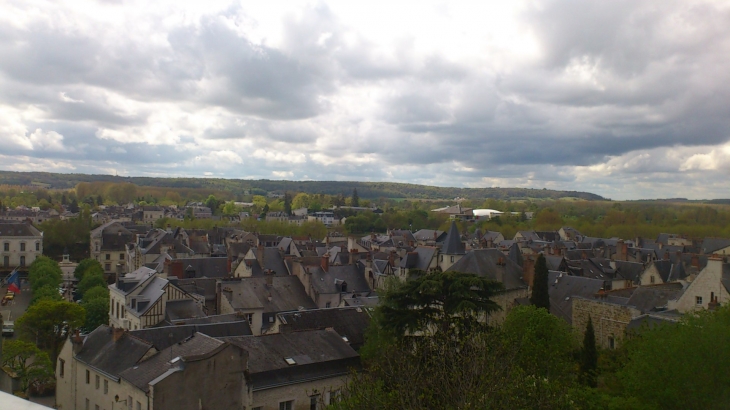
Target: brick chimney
x=260, y=255
x=528, y=270
x=117, y=333
x=326, y=262
x=391, y=258
x=695, y=261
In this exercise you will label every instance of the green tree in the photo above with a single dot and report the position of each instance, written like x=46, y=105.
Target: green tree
x=47, y=323
x=45, y=293
x=589, y=356
x=97, y=292
x=439, y=301
x=91, y=280
x=97, y=312
x=287, y=203
x=301, y=200
x=540, y=295
x=87, y=265
x=680, y=366
x=28, y=362
x=355, y=198
x=44, y=272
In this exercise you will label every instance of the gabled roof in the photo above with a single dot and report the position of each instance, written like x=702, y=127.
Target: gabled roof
x=110, y=356
x=332, y=280
x=317, y=354
x=452, y=243
x=165, y=336
x=420, y=258
x=630, y=270
x=349, y=322
x=563, y=287
x=145, y=372
x=654, y=297
x=286, y=293
x=710, y=245
x=425, y=235
x=491, y=264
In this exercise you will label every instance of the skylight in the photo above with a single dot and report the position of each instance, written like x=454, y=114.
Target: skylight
x=290, y=361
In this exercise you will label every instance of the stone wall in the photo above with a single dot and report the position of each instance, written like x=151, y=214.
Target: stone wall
x=609, y=320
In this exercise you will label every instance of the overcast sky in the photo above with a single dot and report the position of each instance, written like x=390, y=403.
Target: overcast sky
x=626, y=99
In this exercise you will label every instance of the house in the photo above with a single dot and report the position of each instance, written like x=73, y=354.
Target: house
x=490, y=239
x=329, y=284
x=325, y=217
x=716, y=246
x=426, y=237
x=423, y=258
x=170, y=367
x=259, y=299
x=494, y=265
x=662, y=271
x=260, y=261
x=150, y=214
x=349, y=322
x=139, y=299
x=109, y=245
x=711, y=285
x=563, y=289
x=21, y=242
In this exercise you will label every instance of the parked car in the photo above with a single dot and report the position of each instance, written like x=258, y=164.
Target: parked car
x=8, y=328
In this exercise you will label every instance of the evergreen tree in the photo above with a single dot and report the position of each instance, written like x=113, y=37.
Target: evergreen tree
x=74, y=207
x=355, y=198
x=540, y=296
x=589, y=356
x=287, y=203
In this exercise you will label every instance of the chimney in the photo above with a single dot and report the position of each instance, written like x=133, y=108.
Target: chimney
x=601, y=294
x=528, y=270
x=120, y=271
x=713, y=305
x=77, y=341
x=260, y=255
x=117, y=333
x=583, y=255
x=391, y=258
x=326, y=262
x=695, y=261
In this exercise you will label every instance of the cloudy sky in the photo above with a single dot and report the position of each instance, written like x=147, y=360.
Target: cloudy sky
x=627, y=99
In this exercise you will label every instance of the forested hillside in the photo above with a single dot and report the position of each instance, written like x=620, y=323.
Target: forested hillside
x=262, y=187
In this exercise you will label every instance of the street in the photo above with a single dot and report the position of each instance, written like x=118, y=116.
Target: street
x=19, y=304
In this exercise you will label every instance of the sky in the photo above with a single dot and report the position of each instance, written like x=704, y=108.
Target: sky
x=625, y=99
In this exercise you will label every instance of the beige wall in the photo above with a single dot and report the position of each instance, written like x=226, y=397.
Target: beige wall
x=300, y=393
x=706, y=285
x=14, y=253
x=650, y=272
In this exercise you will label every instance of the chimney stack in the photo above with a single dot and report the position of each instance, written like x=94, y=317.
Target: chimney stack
x=117, y=333
x=326, y=262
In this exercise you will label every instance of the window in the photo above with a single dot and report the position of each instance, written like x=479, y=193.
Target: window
x=61, y=367
x=97, y=382
x=139, y=406
x=286, y=405
x=87, y=404
x=37, y=246
x=107, y=267
x=328, y=304
x=88, y=378
x=249, y=318
x=6, y=247
x=6, y=261
x=442, y=258
x=698, y=300
x=258, y=408
x=96, y=407
x=22, y=246
x=334, y=396
x=108, y=256
x=452, y=259
x=22, y=261
x=106, y=386
x=611, y=343
x=651, y=279
x=121, y=256
x=129, y=402
x=313, y=401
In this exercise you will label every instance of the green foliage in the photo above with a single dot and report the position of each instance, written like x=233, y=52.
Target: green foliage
x=97, y=312
x=44, y=272
x=28, y=362
x=680, y=366
x=87, y=265
x=355, y=200
x=525, y=365
x=589, y=356
x=48, y=322
x=91, y=280
x=72, y=234
x=45, y=293
x=97, y=292
x=540, y=295
x=438, y=302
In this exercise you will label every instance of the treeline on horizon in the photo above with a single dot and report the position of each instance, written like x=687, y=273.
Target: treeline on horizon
x=240, y=187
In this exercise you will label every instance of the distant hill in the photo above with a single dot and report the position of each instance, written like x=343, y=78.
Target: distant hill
x=264, y=186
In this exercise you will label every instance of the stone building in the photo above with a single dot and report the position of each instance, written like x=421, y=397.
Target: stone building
x=21, y=243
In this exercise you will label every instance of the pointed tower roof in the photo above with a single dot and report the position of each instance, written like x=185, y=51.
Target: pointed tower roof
x=452, y=243
x=515, y=254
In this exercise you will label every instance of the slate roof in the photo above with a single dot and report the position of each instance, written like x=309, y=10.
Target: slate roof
x=486, y=263
x=145, y=372
x=630, y=270
x=103, y=353
x=515, y=254
x=654, y=297
x=452, y=243
x=555, y=262
x=331, y=281
x=182, y=309
x=419, y=258
x=562, y=289
x=669, y=271
x=319, y=354
x=165, y=336
x=710, y=245
x=425, y=235
x=19, y=229
x=272, y=260
x=287, y=293
x=350, y=322
x=649, y=321
x=152, y=292
x=212, y=267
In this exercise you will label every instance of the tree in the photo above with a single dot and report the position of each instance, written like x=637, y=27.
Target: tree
x=300, y=200
x=28, y=362
x=87, y=265
x=680, y=366
x=287, y=203
x=438, y=301
x=47, y=323
x=97, y=312
x=540, y=296
x=44, y=272
x=91, y=280
x=589, y=356
x=45, y=293
x=97, y=292
x=355, y=198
